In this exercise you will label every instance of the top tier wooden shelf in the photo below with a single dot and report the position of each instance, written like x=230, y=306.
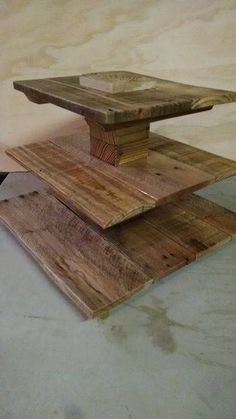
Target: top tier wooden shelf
x=118, y=97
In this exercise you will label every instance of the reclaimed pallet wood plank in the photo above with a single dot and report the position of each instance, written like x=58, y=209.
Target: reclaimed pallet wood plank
x=105, y=200
x=187, y=229
x=214, y=165
x=210, y=212
x=98, y=268
x=107, y=196
x=110, y=195
x=166, y=99
x=159, y=176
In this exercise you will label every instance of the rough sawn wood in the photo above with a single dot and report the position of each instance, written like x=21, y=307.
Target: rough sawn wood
x=109, y=195
x=97, y=268
x=166, y=99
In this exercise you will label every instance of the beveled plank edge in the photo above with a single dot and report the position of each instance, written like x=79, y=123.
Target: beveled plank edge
x=115, y=220
x=66, y=290
x=162, y=201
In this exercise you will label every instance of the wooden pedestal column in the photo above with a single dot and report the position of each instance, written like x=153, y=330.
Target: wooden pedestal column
x=119, y=145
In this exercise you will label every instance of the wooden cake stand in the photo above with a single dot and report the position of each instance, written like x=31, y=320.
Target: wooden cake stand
x=120, y=213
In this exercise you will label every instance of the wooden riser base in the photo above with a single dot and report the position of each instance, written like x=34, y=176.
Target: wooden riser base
x=119, y=145
x=99, y=268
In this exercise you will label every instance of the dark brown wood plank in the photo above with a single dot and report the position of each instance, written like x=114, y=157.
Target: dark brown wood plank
x=105, y=200
x=167, y=99
x=98, y=268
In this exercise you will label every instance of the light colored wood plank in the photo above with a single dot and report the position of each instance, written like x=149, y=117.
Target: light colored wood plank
x=117, y=81
x=103, y=199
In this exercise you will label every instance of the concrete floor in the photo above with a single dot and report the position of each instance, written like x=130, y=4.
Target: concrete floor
x=169, y=352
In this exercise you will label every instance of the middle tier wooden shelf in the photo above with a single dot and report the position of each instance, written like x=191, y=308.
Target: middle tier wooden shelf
x=109, y=195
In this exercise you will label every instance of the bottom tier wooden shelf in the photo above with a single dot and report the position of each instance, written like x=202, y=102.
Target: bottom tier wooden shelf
x=99, y=268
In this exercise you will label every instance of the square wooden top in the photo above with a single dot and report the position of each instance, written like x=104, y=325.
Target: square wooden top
x=118, y=81
x=118, y=97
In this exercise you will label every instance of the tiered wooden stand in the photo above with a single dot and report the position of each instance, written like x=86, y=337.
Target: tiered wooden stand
x=120, y=213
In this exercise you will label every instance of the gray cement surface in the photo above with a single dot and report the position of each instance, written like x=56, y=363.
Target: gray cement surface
x=169, y=352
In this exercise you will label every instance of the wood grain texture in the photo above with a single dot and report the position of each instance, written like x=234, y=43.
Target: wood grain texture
x=117, y=81
x=121, y=145
x=109, y=195
x=210, y=212
x=105, y=200
x=119, y=135
x=168, y=99
x=98, y=268
x=169, y=163
x=188, y=230
x=218, y=167
x=117, y=154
